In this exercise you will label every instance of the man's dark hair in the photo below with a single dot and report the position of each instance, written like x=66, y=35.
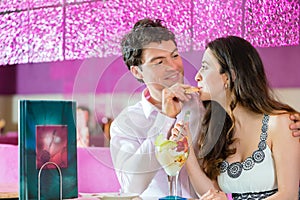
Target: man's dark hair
x=144, y=32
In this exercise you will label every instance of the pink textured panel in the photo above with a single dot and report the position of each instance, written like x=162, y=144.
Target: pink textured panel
x=43, y=3
x=25, y=5
x=95, y=29
x=272, y=23
x=13, y=5
x=212, y=19
x=13, y=38
x=78, y=1
x=45, y=37
x=177, y=15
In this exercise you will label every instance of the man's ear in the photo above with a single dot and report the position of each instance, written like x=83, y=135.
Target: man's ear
x=136, y=72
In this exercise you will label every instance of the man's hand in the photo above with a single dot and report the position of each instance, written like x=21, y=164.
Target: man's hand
x=173, y=99
x=295, y=126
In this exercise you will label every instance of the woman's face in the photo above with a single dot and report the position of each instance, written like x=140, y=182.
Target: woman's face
x=209, y=79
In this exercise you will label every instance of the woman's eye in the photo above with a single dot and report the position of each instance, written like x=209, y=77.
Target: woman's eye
x=203, y=68
x=175, y=55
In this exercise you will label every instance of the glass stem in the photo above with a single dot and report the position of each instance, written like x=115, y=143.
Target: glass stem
x=176, y=185
x=173, y=181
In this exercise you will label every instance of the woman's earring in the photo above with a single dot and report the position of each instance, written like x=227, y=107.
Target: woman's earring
x=226, y=85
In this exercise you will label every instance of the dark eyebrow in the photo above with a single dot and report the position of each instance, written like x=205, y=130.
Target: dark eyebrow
x=204, y=62
x=174, y=50
x=162, y=57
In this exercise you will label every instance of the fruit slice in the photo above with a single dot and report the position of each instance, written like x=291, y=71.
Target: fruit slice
x=162, y=143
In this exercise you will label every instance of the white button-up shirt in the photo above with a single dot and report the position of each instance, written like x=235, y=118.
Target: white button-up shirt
x=133, y=134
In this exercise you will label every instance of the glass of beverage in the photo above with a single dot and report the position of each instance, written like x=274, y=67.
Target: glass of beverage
x=172, y=154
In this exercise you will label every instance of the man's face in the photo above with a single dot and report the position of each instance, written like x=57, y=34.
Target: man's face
x=162, y=65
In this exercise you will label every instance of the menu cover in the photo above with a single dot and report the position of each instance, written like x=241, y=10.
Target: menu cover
x=47, y=149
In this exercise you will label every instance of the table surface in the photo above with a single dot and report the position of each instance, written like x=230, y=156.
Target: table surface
x=10, y=191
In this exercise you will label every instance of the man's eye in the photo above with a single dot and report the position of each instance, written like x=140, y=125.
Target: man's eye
x=159, y=62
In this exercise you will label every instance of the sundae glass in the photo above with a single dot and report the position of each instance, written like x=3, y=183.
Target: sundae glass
x=172, y=154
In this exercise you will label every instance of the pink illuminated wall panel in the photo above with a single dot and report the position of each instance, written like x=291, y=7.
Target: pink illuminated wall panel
x=14, y=38
x=13, y=5
x=96, y=28
x=23, y=5
x=77, y=1
x=272, y=23
x=34, y=35
x=213, y=19
x=45, y=34
x=177, y=15
x=54, y=30
x=44, y=3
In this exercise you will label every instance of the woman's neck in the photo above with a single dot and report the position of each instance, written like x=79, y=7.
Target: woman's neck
x=244, y=116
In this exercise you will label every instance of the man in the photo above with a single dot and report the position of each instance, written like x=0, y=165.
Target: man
x=150, y=53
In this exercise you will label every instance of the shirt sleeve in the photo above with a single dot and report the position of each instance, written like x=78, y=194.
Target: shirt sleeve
x=132, y=148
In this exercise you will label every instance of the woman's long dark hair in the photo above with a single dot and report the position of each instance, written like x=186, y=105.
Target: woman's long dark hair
x=249, y=87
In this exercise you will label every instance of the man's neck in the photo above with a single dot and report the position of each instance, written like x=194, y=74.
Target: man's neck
x=154, y=101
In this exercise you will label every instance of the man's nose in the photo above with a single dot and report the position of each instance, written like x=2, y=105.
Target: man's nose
x=173, y=65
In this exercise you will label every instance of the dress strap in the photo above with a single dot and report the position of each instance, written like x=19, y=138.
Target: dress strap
x=264, y=133
x=234, y=170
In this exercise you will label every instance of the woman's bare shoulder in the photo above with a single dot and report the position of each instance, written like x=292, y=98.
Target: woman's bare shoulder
x=279, y=127
x=280, y=119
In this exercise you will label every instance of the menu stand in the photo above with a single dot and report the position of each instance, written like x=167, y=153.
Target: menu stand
x=60, y=179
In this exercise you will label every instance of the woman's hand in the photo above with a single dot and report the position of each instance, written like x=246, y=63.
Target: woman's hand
x=214, y=194
x=181, y=129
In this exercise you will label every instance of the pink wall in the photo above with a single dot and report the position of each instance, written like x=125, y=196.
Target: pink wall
x=107, y=75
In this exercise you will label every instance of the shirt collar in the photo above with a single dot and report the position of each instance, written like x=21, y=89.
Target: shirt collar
x=147, y=106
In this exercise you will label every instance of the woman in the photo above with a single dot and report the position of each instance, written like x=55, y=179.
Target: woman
x=246, y=147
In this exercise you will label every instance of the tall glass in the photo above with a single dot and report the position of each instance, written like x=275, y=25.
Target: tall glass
x=172, y=154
